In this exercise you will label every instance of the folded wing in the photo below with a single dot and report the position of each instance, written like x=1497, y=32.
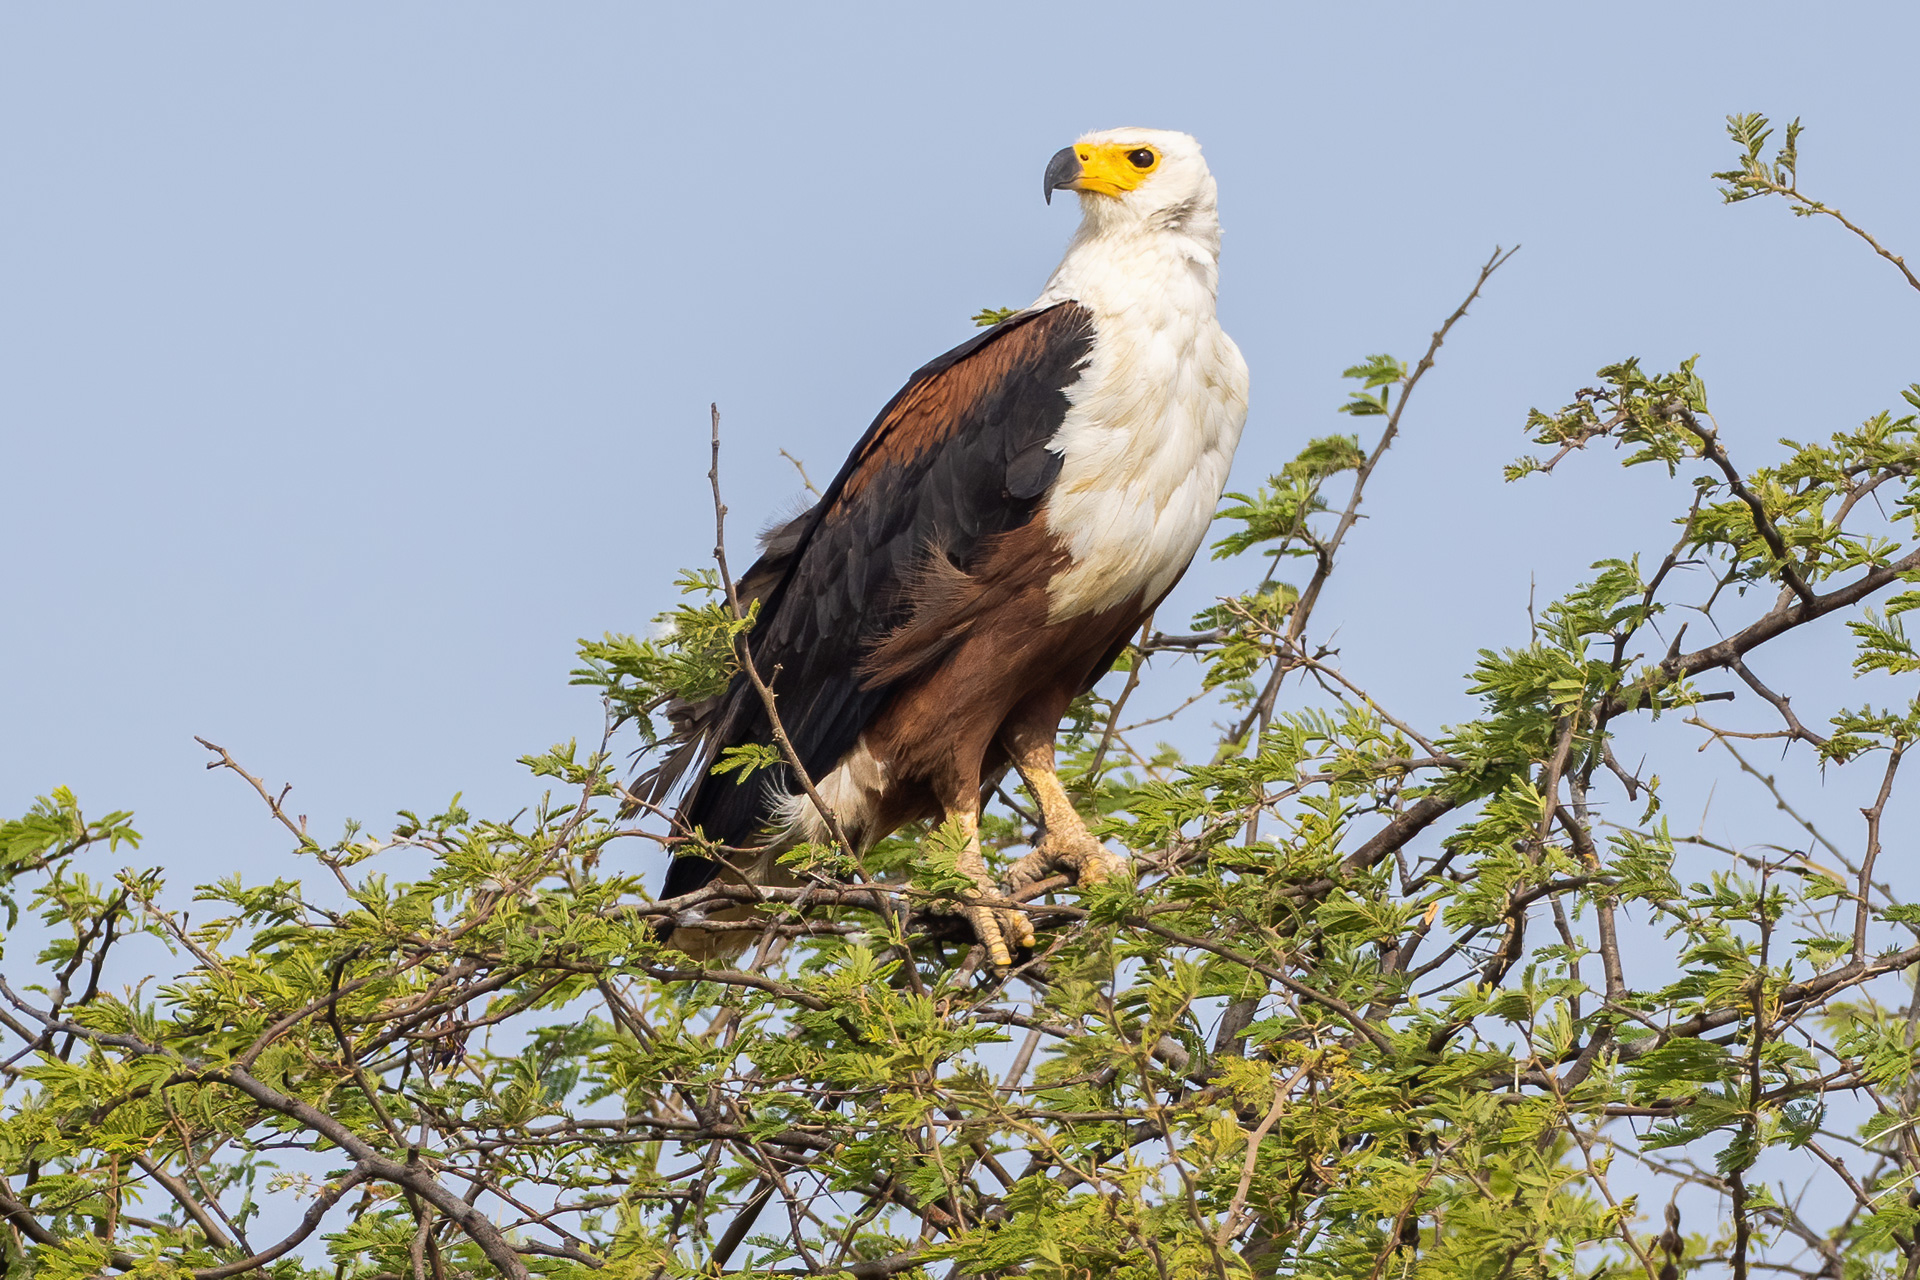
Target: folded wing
x=958, y=456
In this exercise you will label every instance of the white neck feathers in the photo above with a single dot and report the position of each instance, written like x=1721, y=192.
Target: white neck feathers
x=1123, y=261
x=1157, y=409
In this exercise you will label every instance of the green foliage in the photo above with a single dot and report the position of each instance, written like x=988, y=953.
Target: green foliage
x=1630, y=407
x=1278, y=511
x=1378, y=375
x=1386, y=1000
x=748, y=758
x=50, y=833
x=1755, y=175
x=690, y=658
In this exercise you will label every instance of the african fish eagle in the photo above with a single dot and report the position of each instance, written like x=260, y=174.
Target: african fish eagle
x=985, y=553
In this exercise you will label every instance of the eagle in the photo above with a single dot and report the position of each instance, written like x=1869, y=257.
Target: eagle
x=984, y=555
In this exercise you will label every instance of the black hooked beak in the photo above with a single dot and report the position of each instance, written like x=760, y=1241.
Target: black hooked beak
x=1062, y=171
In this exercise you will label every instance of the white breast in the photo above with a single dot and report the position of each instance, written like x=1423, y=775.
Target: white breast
x=1152, y=424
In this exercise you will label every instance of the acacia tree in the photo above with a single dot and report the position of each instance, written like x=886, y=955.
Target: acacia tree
x=1365, y=1012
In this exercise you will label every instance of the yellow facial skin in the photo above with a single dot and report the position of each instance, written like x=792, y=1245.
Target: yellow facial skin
x=1108, y=169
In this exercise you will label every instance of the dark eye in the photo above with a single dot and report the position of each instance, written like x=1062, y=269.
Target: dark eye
x=1142, y=159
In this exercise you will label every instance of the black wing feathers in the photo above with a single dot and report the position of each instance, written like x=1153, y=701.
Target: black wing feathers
x=956, y=457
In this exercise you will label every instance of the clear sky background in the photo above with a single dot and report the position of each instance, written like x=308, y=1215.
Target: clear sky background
x=354, y=360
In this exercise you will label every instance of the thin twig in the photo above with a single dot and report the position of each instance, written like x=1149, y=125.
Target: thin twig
x=747, y=667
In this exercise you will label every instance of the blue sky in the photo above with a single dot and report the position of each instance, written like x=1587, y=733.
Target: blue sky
x=355, y=360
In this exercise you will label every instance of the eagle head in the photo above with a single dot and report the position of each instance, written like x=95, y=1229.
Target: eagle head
x=1154, y=176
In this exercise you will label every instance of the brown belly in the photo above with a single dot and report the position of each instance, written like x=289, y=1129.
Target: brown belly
x=979, y=657
x=978, y=660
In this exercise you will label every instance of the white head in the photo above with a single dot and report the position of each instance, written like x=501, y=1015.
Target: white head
x=1138, y=180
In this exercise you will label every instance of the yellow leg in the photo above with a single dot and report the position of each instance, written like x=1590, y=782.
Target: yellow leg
x=998, y=929
x=1064, y=842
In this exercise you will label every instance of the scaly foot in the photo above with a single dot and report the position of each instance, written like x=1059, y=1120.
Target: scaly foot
x=1087, y=860
x=999, y=926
